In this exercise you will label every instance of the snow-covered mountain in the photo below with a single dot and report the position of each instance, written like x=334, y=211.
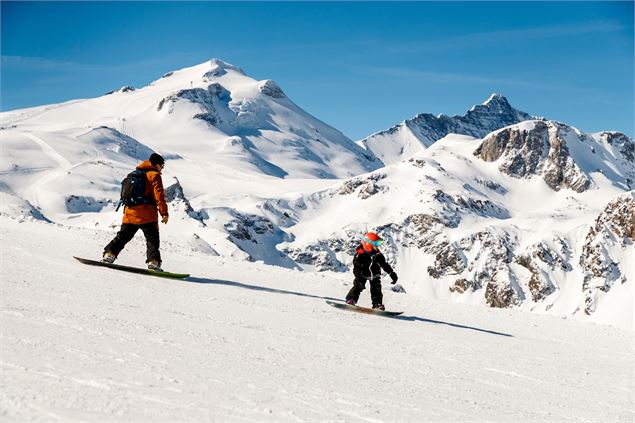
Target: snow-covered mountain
x=212, y=113
x=504, y=215
x=414, y=135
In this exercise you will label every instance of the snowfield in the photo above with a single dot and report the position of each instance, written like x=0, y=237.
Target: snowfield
x=253, y=342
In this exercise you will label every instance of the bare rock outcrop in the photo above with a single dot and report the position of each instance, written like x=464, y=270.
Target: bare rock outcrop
x=207, y=99
x=539, y=149
x=369, y=186
x=608, y=240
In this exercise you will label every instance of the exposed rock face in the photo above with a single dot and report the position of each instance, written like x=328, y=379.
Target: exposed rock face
x=423, y=231
x=612, y=233
x=370, y=186
x=178, y=201
x=206, y=99
x=491, y=185
x=214, y=73
x=500, y=292
x=623, y=152
x=271, y=88
x=449, y=261
x=482, y=260
x=539, y=284
x=82, y=204
x=538, y=149
x=455, y=206
x=248, y=227
x=420, y=163
x=623, y=143
x=125, y=89
x=319, y=255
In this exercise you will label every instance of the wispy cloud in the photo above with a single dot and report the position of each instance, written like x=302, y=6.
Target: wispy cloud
x=45, y=64
x=34, y=63
x=489, y=38
x=554, y=31
x=442, y=77
x=494, y=83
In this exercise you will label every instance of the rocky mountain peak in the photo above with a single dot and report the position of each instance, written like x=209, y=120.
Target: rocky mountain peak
x=535, y=148
x=424, y=129
x=496, y=101
x=494, y=113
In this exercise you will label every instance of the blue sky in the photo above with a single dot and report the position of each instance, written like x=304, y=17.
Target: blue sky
x=361, y=67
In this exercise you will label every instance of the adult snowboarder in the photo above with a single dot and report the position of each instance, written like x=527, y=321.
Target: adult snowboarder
x=143, y=214
x=367, y=265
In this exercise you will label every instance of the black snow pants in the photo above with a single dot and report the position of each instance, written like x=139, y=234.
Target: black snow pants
x=128, y=230
x=359, y=284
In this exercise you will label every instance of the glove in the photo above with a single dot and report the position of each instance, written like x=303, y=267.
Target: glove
x=394, y=278
x=164, y=219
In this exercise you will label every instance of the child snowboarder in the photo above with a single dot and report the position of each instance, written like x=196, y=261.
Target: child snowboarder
x=143, y=216
x=367, y=265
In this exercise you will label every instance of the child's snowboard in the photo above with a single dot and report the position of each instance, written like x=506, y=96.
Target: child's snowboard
x=363, y=309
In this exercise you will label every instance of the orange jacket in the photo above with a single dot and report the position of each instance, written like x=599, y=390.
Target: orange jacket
x=147, y=213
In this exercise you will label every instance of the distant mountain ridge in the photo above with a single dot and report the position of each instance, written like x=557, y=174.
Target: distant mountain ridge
x=413, y=135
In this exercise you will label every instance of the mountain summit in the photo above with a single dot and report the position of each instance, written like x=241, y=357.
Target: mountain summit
x=416, y=134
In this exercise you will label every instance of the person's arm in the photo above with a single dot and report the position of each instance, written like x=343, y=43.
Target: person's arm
x=159, y=195
x=388, y=269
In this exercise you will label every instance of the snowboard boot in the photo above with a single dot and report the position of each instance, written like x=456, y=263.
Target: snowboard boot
x=379, y=306
x=108, y=258
x=155, y=265
x=350, y=302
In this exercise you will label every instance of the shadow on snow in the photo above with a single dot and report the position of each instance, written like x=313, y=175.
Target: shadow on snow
x=257, y=288
x=454, y=325
x=302, y=294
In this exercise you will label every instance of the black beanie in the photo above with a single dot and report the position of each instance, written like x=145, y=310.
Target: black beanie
x=156, y=159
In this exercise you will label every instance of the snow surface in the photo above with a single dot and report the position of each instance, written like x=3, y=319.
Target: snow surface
x=258, y=343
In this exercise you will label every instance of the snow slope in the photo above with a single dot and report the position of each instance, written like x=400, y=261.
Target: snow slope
x=258, y=343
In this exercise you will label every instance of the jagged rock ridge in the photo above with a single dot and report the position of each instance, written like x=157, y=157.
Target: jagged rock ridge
x=412, y=135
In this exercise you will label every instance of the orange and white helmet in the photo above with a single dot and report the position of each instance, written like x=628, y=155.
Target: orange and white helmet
x=371, y=239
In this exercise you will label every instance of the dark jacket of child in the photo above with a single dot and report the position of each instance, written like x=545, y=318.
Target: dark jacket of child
x=367, y=265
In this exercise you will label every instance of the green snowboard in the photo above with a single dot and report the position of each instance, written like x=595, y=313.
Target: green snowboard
x=363, y=309
x=134, y=269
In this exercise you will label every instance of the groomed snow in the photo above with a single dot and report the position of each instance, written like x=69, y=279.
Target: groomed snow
x=252, y=342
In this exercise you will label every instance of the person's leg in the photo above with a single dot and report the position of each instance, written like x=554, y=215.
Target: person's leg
x=358, y=286
x=125, y=234
x=375, y=292
x=151, y=232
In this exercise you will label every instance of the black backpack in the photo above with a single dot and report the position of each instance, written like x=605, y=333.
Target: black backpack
x=133, y=188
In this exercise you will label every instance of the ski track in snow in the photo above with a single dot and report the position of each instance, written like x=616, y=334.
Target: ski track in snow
x=48, y=150
x=247, y=342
